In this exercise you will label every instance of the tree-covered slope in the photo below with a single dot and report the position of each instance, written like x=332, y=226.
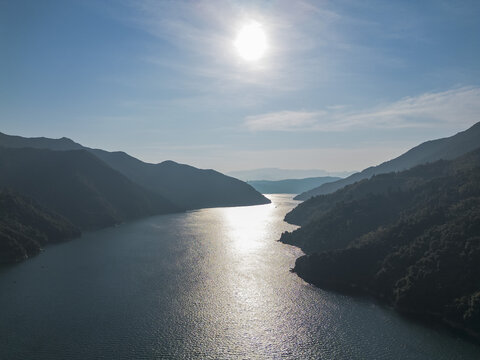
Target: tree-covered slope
x=78, y=186
x=25, y=227
x=430, y=151
x=390, y=183
x=416, y=246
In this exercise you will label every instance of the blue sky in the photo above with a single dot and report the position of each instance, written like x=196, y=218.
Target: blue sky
x=343, y=84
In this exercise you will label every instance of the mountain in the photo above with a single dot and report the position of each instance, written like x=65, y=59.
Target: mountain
x=274, y=174
x=332, y=221
x=25, y=227
x=289, y=186
x=430, y=151
x=78, y=186
x=12, y=141
x=184, y=185
x=414, y=242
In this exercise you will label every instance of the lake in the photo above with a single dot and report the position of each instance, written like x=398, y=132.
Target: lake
x=206, y=284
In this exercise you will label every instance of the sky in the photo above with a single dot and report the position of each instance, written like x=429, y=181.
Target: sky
x=341, y=85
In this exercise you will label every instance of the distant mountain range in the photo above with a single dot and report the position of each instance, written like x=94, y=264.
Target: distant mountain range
x=274, y=174
x=290, y=186
x=430, y=151
x=185, y=186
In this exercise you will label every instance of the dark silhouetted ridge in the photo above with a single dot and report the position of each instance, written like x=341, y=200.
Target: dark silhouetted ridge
x=78, y=186
x=430, y=151
x=63, y=143
x=184, y=185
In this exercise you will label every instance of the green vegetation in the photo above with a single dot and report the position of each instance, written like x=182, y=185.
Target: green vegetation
x=25, y=227
x=410, y=238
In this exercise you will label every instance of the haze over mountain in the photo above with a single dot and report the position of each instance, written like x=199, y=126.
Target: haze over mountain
x=184, y=185
x=274, y=174
x=290, y=186
x=410, y=238
x=429, y=151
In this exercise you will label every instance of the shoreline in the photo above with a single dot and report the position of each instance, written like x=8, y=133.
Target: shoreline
x=431, y=320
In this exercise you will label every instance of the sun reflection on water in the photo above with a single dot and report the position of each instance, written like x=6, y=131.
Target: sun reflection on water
x=247, y=227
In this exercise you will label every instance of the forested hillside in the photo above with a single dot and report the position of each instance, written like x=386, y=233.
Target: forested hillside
x=414, y=242
x=25, y=227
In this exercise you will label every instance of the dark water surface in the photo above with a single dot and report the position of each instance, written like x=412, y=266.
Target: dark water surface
x=208, y=284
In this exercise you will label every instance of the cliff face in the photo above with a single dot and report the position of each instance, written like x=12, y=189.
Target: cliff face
x=25, y=227
x=415, y=245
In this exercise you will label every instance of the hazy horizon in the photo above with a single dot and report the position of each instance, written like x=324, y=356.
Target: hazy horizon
x=241, y=85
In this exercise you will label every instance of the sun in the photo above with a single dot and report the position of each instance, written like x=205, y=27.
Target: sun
x=251, y=42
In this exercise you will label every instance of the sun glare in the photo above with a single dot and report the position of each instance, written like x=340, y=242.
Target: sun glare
x=251, y=42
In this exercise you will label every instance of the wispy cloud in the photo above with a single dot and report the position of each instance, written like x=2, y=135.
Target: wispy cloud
x=459, y=106
x=311, y=45
x=283, y=121
x=203, y=33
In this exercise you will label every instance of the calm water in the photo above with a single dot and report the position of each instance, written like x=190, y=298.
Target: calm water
x=208, y=284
